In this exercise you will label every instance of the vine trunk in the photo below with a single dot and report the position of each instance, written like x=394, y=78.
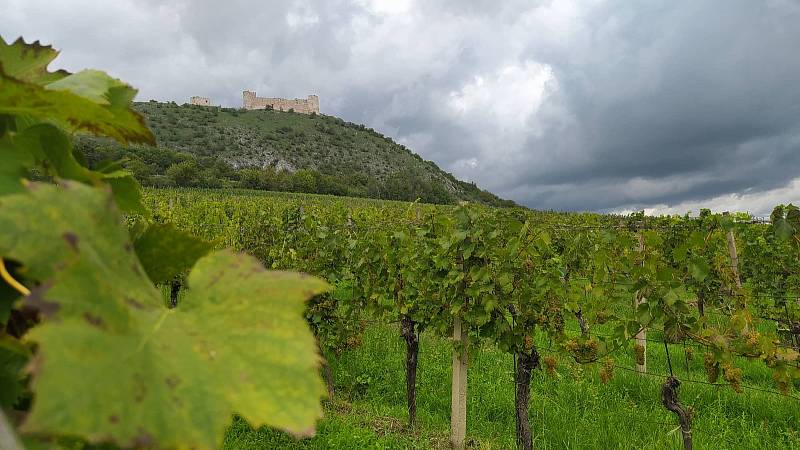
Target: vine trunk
x=526, y=362
x=669, y=398
x=410, y=334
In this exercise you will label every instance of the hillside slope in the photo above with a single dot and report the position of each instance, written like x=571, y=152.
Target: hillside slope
x=217, y=147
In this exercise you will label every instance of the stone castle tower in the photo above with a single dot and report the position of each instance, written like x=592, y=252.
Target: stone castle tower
x=202, y=101
x=304, y=106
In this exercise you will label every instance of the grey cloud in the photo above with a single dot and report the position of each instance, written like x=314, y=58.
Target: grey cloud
x=647, y=103
x=700, y=90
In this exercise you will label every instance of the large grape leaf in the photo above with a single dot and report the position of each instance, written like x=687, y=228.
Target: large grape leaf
x=89, y=101
x=115, y=364
x=86, y=101
x=28, y=62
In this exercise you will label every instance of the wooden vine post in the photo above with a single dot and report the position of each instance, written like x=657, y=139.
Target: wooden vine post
x=641, y=336
x=458, y=398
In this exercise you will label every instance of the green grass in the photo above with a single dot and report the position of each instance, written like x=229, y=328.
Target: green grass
x=571, y=410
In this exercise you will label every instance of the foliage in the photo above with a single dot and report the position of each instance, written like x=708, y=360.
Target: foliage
x=109, y=359
x=166, y=252
x=513, y=276
x=86, y=101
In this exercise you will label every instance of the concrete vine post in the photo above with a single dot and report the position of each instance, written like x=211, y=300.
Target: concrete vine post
x=734, y=257
x=458, y=398
x=8, y=438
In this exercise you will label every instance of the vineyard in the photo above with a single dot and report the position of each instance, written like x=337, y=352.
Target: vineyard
x=706, y=304
x=152, y=319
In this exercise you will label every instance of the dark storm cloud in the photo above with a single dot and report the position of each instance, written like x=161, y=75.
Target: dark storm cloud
x=701, y=92
x=599, y=105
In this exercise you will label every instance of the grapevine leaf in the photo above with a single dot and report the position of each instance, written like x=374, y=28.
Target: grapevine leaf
x=699, y=269
x=632, y=328
x=28, y=62
x=141, y=373
x=97, y=87
x=47, y=142
x=793, y=216
x=7, y=299
x=671, y=297
x=16, y=162
x=781, y=226
x=88, y=101
x=777, y=213
x=643, y=314
x=13, y=357
x=697, y=239
x=8, y=295
x=127, y=192
x=165, y=252
x=72, y=112
x=680, y=252
x=727, y=223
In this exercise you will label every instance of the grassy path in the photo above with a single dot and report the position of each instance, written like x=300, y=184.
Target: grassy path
x=571, y=410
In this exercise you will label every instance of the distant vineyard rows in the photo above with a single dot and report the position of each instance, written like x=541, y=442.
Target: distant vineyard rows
x=507, y=276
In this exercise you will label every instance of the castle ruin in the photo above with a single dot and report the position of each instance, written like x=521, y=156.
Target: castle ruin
x=201, y=101
x=298, y=105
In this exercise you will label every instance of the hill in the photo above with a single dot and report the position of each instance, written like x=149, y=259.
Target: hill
x=202, y=146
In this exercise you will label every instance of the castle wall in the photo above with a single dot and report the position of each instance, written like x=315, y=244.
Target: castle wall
x=202, y=101
x=304, y=106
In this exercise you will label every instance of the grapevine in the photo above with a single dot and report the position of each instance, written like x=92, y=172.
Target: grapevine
x=513, y=277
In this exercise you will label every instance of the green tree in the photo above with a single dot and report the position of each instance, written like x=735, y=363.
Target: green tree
x=141, y=171
x=304, y=181
x=250, y=178
x=183, y=173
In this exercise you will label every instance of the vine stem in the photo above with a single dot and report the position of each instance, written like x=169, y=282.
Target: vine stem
x=669, y=361
x=11, y=281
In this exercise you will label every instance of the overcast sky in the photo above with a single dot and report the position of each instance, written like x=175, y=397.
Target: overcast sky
x=581, y=105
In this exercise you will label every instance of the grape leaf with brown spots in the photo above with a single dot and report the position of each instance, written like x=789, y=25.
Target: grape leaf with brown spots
x=115, y=364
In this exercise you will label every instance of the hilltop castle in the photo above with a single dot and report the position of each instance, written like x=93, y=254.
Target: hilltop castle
x=251, y=101
x=298, y=105
x=202, y=101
